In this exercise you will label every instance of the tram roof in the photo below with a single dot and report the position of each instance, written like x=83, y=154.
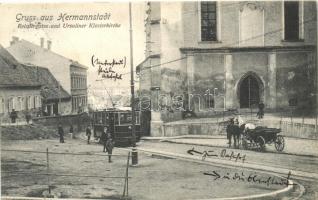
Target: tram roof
x=118, y=109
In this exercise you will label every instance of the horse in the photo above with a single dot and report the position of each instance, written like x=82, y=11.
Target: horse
x=234, y=130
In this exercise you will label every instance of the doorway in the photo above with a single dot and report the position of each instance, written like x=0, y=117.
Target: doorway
x=250, y=91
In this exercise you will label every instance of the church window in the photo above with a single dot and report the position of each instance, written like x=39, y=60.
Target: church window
x=291, y=16
x=208, y=21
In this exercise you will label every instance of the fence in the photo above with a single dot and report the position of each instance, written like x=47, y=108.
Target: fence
x=49, y=174
x=291, y=125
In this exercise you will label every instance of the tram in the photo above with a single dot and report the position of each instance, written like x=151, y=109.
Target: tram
x=118, y=123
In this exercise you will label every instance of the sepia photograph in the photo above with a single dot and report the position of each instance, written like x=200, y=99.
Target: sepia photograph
x=159, y=100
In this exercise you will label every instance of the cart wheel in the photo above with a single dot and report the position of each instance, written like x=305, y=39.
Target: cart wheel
x=261, y=143
x=279, y=143
x=244, y=144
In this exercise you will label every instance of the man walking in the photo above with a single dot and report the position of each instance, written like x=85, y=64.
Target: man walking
x=229, y=131
x=61, y=133
x=88, y=133
x=109, y=147
x=71, y=131
x=104, y=138
x=260, y=113
x=28, y=117
x=13, y=116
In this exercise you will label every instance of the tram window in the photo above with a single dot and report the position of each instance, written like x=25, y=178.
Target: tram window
x=105, y=118
x=116, y=118
x=125, y=118
x=137, y=118
x=99, y=117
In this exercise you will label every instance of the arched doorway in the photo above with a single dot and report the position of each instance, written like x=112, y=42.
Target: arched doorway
x=250, y=90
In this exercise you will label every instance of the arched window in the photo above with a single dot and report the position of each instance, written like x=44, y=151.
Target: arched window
x=30, y=102
x=2, y=105
x=10, y=104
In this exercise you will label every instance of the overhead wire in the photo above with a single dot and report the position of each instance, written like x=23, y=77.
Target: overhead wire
x=224, y=46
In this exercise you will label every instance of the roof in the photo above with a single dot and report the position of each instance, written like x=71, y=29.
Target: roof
x=51, y=90
x=14, y=74
x=146, y=59
x=27, y=49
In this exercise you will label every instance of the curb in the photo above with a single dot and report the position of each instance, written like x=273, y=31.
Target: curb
x=270, y=195
x=232, y=164
x=184, y=137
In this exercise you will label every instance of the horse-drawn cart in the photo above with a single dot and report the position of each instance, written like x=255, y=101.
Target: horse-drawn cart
x=260, y=136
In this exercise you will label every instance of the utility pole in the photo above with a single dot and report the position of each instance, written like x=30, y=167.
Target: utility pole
x=132, y=84
x=316, y=88
x=134, y=154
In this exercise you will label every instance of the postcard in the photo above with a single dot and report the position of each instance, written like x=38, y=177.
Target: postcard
x=156, y=100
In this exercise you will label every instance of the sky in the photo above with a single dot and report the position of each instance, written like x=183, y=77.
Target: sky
x=80, y=44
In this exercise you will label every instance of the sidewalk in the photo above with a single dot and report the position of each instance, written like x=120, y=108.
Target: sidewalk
x=293, y=146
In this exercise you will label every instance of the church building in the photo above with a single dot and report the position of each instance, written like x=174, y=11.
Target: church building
x=223, y=55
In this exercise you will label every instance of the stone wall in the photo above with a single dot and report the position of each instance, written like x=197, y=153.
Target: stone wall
x=212, y=128
x=79, y=121
x=297, y=130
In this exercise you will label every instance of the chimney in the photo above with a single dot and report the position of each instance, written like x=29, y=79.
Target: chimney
x=14, y=40
x=42, y=42
x=49, y=44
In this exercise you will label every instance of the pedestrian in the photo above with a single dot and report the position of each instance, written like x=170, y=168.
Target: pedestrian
x=13, y=116
x=28, y=117
x=229, y=131
x=109, y=147
x=88, y=133
x=237, y=121
x=61, y=133
x=260, y=113
x=104, y=138
x=71, y=131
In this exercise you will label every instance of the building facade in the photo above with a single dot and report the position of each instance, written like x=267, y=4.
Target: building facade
x=78, y=88
x=71, y=75
x=53, y=95
x=204, y=56
x=19, y=91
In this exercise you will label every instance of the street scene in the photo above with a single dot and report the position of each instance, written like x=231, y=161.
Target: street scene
x=159, y=100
